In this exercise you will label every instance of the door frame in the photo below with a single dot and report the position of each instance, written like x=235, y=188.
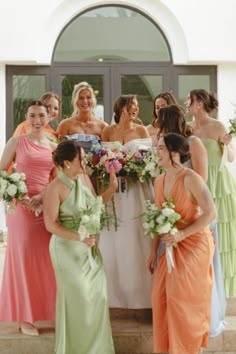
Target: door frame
x=112, y=72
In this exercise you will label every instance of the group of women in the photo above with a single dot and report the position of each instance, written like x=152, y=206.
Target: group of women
x=191, y=155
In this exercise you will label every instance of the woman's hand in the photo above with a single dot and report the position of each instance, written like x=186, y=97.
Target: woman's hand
x=226, y=139
x=89, y=241
x=32, y=203
x=170, y=240
x=113, y=182
x=152, y=262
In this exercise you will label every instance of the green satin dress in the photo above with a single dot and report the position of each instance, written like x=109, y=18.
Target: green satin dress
x=223, y=189
x=82, y=315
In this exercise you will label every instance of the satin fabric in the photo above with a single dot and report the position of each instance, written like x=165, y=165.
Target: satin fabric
x=181, y=300
x=28, y=286
x=126, y=251
x=82, y=316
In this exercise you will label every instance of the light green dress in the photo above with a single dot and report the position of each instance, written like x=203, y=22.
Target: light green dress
x=223, y=189
x=82, y=315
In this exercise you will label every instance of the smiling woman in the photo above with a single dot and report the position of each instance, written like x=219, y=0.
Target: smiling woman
x=83, y=126
x=126, y=250
x=27, y=253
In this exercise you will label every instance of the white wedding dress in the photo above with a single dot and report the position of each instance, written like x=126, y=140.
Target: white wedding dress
x=126, y=251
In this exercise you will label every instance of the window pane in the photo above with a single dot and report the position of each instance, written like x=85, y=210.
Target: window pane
x=187, y=83
x=111, y=34
x=25, y=89
x=69, y=81
x=146, y=87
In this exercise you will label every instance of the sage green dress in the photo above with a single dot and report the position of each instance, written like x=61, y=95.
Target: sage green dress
x=82, y=315
x=222, y=185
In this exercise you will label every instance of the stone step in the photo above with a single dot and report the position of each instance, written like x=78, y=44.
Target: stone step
x=131, y=336
x=231, y=306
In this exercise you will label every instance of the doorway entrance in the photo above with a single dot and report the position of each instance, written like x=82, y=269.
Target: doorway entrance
x=109, y=81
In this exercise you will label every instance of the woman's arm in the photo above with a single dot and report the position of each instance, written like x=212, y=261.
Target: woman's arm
x=51, y=212
x=198, y=190
x=143, y=132
x=51, y=215
x=113, y=185
x=199, y=158
x=105, y=133
x=226, y=138
x=9, y=153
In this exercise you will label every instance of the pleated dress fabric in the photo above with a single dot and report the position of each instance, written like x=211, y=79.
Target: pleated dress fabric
x=181, y=300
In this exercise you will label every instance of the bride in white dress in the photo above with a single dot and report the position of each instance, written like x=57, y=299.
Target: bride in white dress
x=125, y=252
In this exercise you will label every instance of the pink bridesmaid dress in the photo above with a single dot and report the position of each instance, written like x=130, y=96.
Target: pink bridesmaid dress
x=28, y=286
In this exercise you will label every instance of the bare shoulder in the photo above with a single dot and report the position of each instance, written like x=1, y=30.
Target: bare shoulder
x=142, y=130
x=100, y=122
x=53, y=145
x=13, y=141
x=192, y=179
x=196, y=142
x=65, y=122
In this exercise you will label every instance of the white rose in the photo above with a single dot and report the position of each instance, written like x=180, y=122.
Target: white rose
x=160, y=219
x=85, y=219
x=174, y=230
x=11, y=190
x=83, y=232
x=167, y=212
x=3, y=186
x=15, y=177
x=95, y=219
x=22, y=187
x=165, y=228
x=22, y=176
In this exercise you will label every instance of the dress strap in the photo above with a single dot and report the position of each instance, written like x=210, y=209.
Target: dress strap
x=65, y=179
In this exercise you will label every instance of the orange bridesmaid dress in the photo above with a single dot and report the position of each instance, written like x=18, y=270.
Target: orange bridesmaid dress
x=181, y=300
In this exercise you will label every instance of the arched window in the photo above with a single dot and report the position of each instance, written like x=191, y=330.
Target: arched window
x=111, y=33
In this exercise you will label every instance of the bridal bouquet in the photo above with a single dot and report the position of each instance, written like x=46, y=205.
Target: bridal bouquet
x=141, y=165
x=161, y=221
x=92, y=220
x=12, y=188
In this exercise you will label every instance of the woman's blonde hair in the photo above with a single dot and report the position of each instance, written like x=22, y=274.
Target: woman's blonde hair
x=75, y=95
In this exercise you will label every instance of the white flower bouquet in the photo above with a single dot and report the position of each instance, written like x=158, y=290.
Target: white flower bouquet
x=161, y=221
x=92, y=220
x=12, y=188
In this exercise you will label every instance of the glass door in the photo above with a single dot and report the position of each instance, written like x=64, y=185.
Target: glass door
x=64, y=79
x=108, y=83
x=145, y=82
